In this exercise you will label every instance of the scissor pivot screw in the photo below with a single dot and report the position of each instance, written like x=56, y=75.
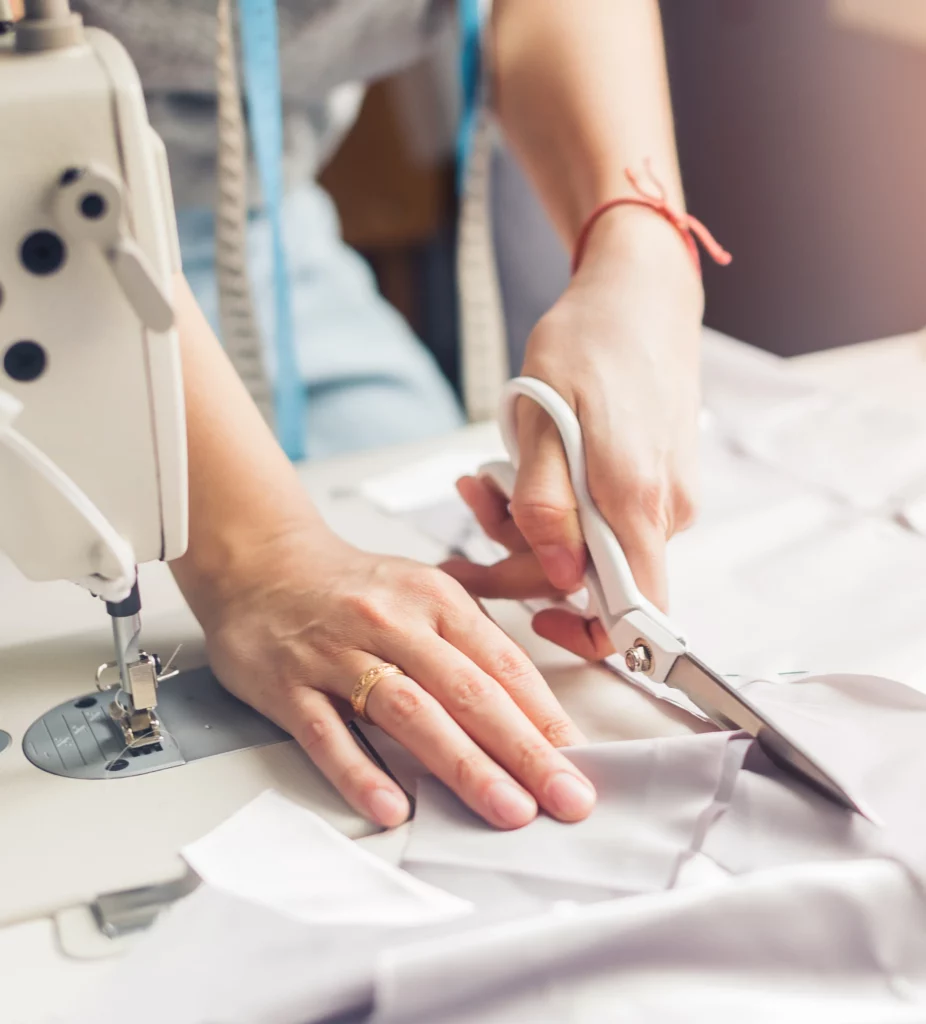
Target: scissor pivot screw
x=639, y=658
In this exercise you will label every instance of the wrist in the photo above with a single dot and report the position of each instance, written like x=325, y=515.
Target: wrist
x=229, y=563
x=638, y=243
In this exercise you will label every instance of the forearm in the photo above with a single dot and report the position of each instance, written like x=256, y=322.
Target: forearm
x=243, y=490
x=581, y=91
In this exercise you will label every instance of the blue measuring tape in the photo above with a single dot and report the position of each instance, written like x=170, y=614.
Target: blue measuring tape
x=260, y=45
x=469, y=13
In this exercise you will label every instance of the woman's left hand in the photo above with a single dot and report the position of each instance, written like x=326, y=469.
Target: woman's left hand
x=622, y=347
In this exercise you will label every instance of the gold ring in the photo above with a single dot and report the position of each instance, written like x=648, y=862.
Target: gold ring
x=364, y=687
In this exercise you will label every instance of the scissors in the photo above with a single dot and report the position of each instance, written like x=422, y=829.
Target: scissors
x=649, y=643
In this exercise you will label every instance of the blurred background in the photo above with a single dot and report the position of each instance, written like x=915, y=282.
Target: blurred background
x=802, y=137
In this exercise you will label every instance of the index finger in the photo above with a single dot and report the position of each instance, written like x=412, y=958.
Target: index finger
x=490, y=507
x=518, y=577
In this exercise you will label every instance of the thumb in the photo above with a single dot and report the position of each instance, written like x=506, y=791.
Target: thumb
x=543, y=504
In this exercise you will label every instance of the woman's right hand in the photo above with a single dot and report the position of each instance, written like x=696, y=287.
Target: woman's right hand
x=292, y=627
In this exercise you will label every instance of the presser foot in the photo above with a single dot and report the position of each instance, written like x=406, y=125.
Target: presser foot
x=133, y=709
x=141, y=728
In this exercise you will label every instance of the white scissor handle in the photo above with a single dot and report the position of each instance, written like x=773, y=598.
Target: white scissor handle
x=611, y=584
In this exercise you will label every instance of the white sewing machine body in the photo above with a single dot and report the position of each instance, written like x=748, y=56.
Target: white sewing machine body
x=91, y=398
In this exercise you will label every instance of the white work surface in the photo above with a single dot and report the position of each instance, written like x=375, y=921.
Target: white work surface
x=66, y=841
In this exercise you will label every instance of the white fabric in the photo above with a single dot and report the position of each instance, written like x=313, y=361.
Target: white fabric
x=707, y=885
x=655, y=801
x=871, y=733
x=824, y=943
x=859, y=450
x=217, y=959
x=279, y=855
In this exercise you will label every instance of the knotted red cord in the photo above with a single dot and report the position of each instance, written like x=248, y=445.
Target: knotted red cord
x=688, y=227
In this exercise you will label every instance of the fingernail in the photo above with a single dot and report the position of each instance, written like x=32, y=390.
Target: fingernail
x=388, y=807
x=569, y=797
x=563, y=568
x=510, y=806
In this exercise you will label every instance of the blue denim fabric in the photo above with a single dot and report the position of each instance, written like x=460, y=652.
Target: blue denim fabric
x=370, y=382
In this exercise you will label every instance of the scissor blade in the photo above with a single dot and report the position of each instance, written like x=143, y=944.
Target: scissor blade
x=731, y=710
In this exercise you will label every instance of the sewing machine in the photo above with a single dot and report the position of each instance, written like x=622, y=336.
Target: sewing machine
x=92, y=433
x=93, y=473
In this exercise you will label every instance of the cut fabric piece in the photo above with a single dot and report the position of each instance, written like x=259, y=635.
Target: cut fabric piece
x=771, y=821
x=833, y=944
x=870, y=733
x=282, y=856
x=655, y=800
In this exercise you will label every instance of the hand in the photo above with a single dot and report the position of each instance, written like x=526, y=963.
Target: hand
x=297, y=624
x=622, y=347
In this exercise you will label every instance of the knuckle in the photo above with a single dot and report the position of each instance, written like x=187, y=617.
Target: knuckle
x=536, y=517
x=465, y=693
x=331, y=643
x=465, y=770
x=686, y=508
x=402, y=701
x=557, y=731
x=432, y=587
x=529, y=754
x=651, y=501
x=317, y=735
x=644, y=498
x=513, y=671
x=372, y=609
x=355, y=778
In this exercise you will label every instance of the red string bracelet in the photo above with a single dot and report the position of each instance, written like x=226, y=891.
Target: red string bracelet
x=687, y=226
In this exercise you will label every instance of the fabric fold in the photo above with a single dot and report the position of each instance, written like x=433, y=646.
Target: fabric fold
x=839, y=943
x=655, y=798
